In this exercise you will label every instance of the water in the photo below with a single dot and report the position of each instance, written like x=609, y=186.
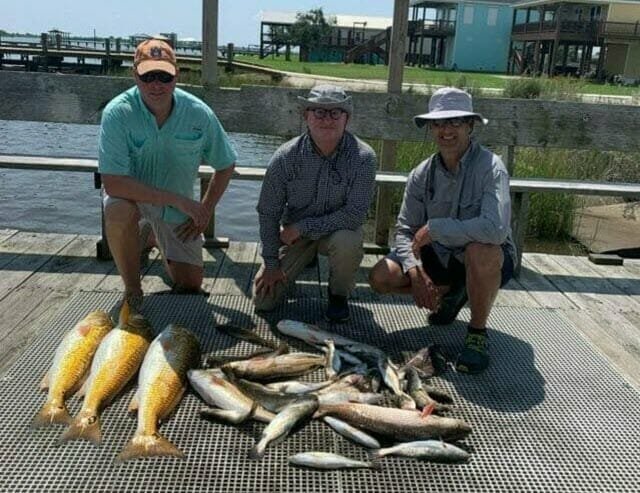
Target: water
x=66, y=202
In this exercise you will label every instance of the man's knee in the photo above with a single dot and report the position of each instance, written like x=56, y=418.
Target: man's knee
x=121, y=212
x=346, y=244
x=483, y=258
x=382, y=278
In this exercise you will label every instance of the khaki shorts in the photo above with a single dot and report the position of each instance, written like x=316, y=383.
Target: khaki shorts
x=171, y=247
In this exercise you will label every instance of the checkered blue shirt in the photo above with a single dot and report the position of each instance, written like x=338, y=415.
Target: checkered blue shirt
x=318, y=194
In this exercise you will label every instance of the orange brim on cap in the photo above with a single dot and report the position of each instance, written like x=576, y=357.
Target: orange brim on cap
x=150, y=65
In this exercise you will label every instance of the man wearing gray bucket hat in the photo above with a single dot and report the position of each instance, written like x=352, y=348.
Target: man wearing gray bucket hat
x=453, y=233
x=314, y=199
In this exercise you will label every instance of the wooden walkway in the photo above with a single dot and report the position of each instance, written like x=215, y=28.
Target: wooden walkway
x=40, y=271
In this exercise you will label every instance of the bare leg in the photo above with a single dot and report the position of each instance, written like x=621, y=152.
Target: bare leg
x=187, y=277
x=483, y=265
x=121, y=220
x=386, y=277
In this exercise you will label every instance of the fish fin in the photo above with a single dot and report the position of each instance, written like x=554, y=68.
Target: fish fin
x=135, y=402
x=283, y=348
x=87, y=427
x=227, y=415
x=44, y=383
x=125, y=311
x=427, y=410
x=148, y=446
x=50, y=414
x=82, y=386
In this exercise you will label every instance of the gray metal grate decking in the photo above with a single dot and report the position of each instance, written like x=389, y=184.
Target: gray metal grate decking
x=549, y=415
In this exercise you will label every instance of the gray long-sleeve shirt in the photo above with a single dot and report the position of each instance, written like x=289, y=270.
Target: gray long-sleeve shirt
x=471, y=205
x=318, y=194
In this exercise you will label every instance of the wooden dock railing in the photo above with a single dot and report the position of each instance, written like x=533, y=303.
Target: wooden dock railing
x=521, y=188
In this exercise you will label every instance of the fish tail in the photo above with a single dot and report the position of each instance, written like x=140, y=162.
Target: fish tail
x=87, y=427
x=148, y=446
x=376, y=464
x=52, y=413
x=257, y=451
x=375, y=454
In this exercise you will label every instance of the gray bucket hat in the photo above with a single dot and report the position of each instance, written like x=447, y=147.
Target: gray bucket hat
x=448, y=102
x=327, y=96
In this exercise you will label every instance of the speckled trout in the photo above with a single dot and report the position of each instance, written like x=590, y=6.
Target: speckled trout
x=116, y=361
x=71, y=363
x=161, y=385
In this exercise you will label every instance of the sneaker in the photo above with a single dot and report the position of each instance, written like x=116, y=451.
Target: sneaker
x=338, y=309
x=450, y=306
x=474, y=358
x=135, y=305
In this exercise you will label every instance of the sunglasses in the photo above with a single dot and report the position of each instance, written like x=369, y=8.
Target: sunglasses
x=163, y=77
x=452, y=122
x=320, y=113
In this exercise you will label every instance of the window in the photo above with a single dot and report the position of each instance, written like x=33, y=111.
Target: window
x=492, y=17
x=468, y=15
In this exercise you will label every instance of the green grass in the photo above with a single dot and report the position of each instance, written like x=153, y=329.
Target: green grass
x=425, y=76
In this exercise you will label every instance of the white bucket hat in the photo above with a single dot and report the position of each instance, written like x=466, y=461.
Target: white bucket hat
x=448, y=102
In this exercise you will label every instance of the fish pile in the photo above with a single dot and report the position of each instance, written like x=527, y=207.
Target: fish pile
x=265, y=387
x=99, y=360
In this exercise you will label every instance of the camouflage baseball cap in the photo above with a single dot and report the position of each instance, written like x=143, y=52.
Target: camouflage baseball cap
x=154, y=54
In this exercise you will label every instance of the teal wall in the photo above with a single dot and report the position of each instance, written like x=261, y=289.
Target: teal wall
x=480, y=46
x=329, y=54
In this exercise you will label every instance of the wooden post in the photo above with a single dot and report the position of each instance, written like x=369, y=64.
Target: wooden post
x=45, y=57
x=519, y=219
x=209, y=44
x=209, y=83
x=394, y=89
x=229, y=66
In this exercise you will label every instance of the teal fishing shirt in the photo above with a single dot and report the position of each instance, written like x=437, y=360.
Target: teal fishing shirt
x=131, y=144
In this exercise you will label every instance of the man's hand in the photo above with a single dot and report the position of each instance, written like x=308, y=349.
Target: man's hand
x=425, y=293
x=187, y=231
x=197, y=211
x=420, y=239
x=289, y=234
x=266, y=282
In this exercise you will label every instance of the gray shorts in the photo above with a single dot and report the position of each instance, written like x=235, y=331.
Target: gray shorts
x=171, y=247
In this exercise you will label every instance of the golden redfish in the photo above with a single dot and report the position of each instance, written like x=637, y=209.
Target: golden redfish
x=116, y=361
x=71, y=362
x=161, y=385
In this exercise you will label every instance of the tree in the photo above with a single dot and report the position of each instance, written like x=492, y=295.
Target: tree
x=309, y=31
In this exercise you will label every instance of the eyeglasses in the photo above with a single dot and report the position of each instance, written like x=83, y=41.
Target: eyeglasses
x=320, y=113
x=452, y=122
x=160, y=76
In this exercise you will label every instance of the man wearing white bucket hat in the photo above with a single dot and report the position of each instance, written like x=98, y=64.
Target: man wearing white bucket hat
x=453, y=233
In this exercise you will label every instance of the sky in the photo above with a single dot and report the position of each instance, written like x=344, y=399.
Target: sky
x=239, y=21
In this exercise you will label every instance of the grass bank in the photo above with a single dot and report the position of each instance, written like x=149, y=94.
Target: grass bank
x=418, y=75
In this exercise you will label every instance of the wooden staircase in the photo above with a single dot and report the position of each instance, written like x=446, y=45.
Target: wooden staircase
x=371, y=45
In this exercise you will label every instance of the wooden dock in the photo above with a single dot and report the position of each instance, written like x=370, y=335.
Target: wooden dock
x=40, y=271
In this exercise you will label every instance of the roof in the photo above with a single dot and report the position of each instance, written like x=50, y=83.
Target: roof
x=531, y=3
x=435, y=3
x=342, y=20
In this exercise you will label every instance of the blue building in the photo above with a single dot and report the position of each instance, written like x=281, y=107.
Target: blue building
x=470, y=35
